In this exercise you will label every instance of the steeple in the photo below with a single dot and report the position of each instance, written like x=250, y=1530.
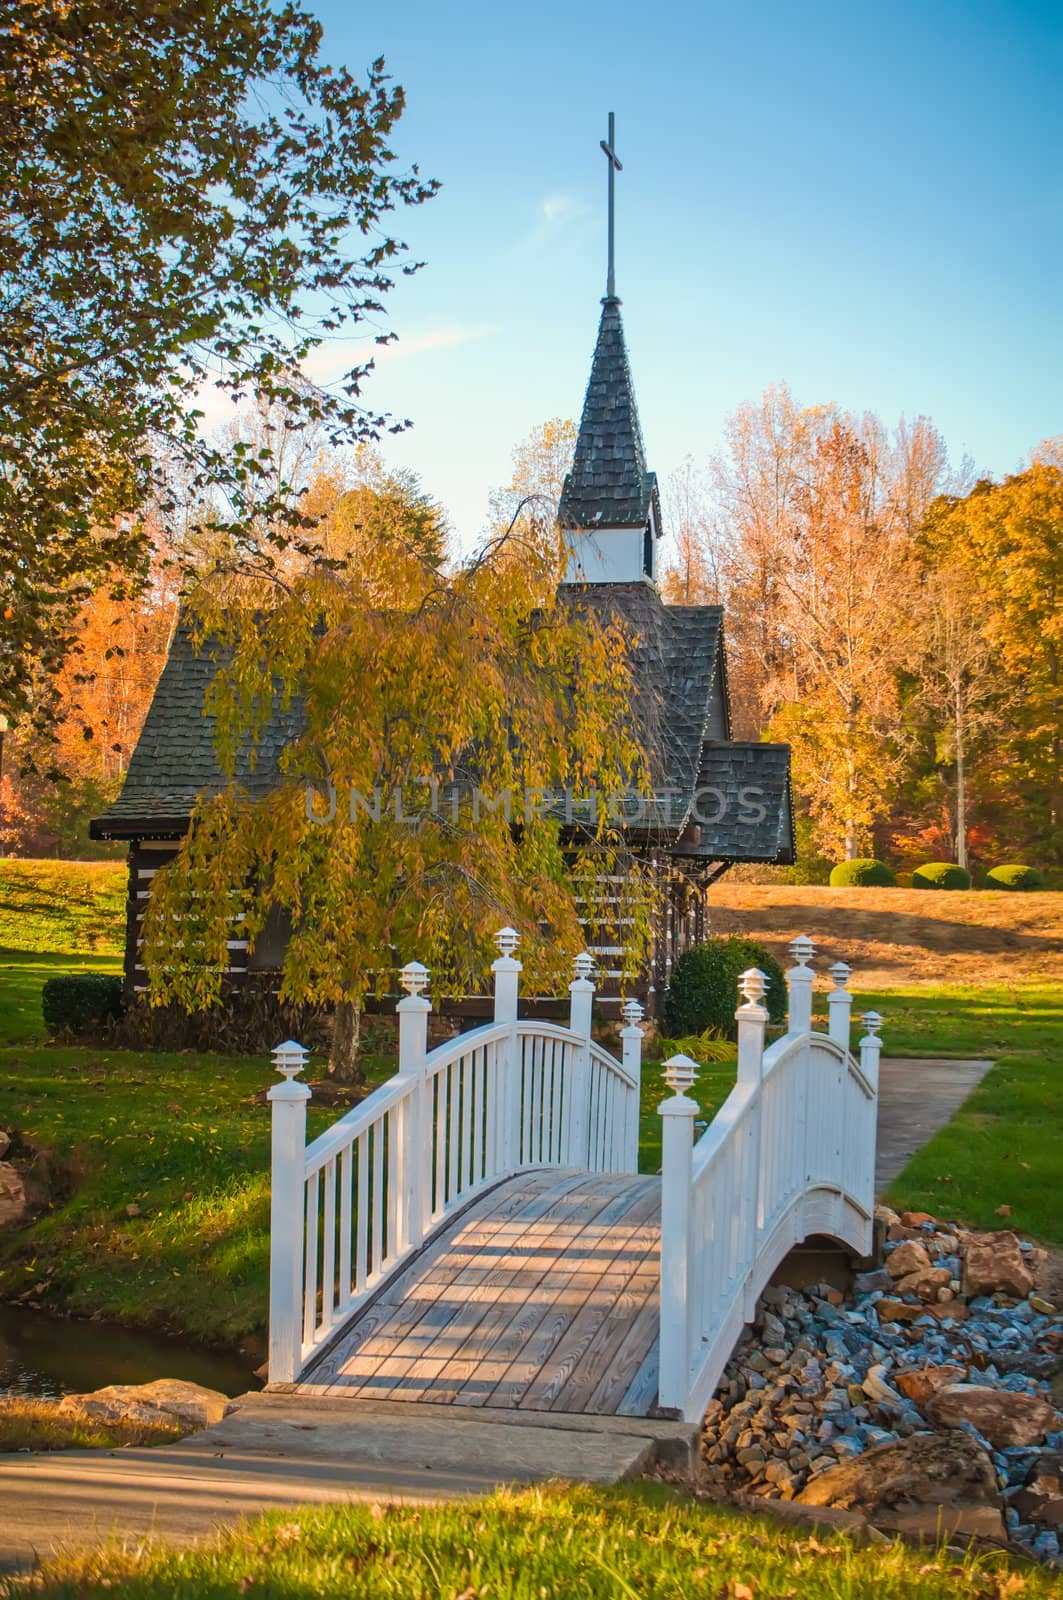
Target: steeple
x=609, y=506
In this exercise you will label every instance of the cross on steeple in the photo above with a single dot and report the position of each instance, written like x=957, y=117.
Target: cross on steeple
x=609, y=147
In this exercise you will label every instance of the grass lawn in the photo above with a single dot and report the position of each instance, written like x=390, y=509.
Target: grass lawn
x=632, y=1543
x=60, y=906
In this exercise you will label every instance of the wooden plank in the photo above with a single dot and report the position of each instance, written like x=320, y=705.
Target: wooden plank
x=545, y=1365
x=472, y=1302
x=610, y=1352
x=639, y=1342
x=641, y=1397
x=501, y=1201
x=404, y=1302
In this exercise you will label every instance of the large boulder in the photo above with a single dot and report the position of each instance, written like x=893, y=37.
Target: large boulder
x=186, y=1405
x=13, y=1200
x=992, y=1263
x=1003, y=1416
x=908, y=1258
x=929, y=1483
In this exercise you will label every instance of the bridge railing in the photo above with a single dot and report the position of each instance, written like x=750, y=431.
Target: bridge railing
x=790, y=1153
x=349, y=1208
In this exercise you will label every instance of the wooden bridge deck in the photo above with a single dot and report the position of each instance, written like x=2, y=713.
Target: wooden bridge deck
x=542, y=1296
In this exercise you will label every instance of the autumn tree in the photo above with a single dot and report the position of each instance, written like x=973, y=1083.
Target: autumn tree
x=1006, y=539
x=438, y=714
x=539, y=466
x=192, y=198
x=691, y=575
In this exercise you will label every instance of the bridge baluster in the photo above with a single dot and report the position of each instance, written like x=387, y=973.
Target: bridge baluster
x=840, y=1004
x=507, y=970
x=677, y=1142
x=631, y=1045
x=288, y=1102
x=799, y=981
x=581, y=1011
x=414, y=1143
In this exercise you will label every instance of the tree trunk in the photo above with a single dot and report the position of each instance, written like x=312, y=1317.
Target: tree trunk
x=343, y=1055
x=961, y=787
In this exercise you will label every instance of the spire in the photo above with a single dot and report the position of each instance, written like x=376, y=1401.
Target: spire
x=609, y=486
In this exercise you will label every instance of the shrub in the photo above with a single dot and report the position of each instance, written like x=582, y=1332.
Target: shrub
x=863, y=874
x=941, y=875
x=1014, y=877
x=703, y=992
x=81, y=1001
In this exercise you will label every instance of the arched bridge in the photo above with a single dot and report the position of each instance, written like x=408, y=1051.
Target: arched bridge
x=476, y=1233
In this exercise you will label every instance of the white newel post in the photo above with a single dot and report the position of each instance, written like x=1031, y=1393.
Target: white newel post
x=507, y=970
x=631, y=1047
x=287, y=1188
x=677, y=1140
x=799, y=981
x=840, y=1004
x=581, y=1012
x=752, y=1020
x=415, y=1143
x=870, y=1050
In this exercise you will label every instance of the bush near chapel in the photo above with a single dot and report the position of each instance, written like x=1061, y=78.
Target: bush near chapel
x=704, y=994
x=1014, y=877
x=81, y=1000
x=941, y=875
x=862, y=874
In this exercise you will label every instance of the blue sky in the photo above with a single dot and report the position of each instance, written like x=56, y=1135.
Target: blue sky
x=865, y=201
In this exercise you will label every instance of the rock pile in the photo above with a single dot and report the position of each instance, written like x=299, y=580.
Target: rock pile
x=921, y=1400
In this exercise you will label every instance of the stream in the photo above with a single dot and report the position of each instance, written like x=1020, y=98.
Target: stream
x=43, y=1357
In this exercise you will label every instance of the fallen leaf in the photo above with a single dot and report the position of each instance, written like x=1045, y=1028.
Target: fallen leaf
x=1002, y=1211
x=742, y=1591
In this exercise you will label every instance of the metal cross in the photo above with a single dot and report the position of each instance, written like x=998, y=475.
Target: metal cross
x=609, y=146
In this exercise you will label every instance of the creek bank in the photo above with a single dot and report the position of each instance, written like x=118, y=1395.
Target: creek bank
x=120, y=1414
x=922, y=1400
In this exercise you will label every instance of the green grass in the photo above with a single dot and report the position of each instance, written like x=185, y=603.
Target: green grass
x=23, y=976
x=59, y=906
x=1002, y=1146
x=552, y=1543
x=38, y=1425
x=182, y=1138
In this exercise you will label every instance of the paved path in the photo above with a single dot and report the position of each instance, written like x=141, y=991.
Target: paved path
x=916, y=1097
x=279, y=1450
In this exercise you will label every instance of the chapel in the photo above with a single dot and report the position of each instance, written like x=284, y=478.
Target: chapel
x=716, y=801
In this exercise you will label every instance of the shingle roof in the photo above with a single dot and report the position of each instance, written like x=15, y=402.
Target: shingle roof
x=674, y=652
x=742, y=809
x=174, y=760
x=608, y=486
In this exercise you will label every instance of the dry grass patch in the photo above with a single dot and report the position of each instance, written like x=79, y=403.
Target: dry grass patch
x=904, y=936
x=40, y=1425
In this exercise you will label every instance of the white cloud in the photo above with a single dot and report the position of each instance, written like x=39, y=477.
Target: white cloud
x=333, y=359
x=558, y=209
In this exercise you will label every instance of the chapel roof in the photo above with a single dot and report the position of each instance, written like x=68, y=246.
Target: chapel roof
x=609, y=485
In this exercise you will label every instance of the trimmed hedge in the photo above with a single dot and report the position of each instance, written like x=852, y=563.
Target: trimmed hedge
x=941, y=875
x=863, y=874
x=704, y=994
x=81, y=1000
x=1014, y=877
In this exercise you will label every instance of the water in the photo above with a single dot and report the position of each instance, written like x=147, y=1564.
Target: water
x=43, y=1357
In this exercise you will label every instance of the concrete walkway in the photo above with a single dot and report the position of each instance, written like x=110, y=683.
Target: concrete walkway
x=278, y=1450
x=916, y=1097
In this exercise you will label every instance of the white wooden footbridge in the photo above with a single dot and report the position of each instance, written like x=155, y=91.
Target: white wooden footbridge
x=476, y=1233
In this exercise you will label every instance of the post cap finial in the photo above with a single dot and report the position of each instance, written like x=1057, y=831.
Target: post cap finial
x=414, y=977
x=506, y=941
x=582, y=965
x=802, y=949
x=632, y=1012
x=289, y=1058
x=680, y=1073
x=872, y=1022
x=841, y=972
x=753, y=985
